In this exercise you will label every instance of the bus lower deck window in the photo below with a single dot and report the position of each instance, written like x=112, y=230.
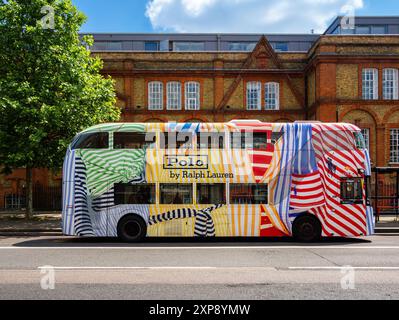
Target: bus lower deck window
x=176, y=193
x=125, y=193
x=214, y=193
x=351, y=190
x=248, y=193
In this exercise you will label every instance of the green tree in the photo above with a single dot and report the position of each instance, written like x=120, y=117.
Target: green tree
x=50, y=85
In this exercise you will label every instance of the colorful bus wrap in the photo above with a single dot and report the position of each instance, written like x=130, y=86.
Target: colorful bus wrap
x=236, y=179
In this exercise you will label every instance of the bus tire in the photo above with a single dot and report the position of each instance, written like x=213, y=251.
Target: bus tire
x=306, y=228
x=132, y=228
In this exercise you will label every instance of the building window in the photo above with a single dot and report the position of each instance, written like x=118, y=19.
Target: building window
x=362, y=29
x=155, y=95
x=370, y=84
x=379, y=29
x=390, y=84
x=280, y=46
x=188, y=46
x=394, y=146
x=272, y=92
x=192, y=95
x=241, y=46
x=173, y=94
x=176, y=193
x=151, y=46
x=254, y=96
x=366, y=137
x=107, y=46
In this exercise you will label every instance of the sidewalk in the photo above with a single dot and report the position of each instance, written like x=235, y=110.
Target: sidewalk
x=50, y=223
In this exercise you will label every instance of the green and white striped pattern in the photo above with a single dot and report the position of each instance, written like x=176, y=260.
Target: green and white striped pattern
x=119, y=127
x=106, y=167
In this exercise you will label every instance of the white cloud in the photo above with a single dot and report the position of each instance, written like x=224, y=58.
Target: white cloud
x=257, y=16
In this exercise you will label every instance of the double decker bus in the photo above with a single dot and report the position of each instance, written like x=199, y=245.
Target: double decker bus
x=244, y=178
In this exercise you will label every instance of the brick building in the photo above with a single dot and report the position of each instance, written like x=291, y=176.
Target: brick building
x=348, y=75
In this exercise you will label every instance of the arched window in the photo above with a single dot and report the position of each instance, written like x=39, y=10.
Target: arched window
x=192, y=95
x=272, y=96
x=155, y=95
x=390, y=84
x=254, y=96
x=370, y=84
x=173, y=95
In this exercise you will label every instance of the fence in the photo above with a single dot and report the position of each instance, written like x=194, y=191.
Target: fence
x=385, y=196
x=44, y=199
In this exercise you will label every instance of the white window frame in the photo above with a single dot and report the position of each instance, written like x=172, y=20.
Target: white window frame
x=390, y=84
x=394, y=145
x=254, y=95
x=173, y=95
x=272, y=96
x=155, y=95
x=192, y=95
x=366, y=136
x=370, y=84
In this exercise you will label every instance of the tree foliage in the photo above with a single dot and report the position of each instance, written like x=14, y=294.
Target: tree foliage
x=50, y=86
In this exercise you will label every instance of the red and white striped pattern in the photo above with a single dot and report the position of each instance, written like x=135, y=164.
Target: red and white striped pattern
x=260, y=159
x=336, y=142
x=306, y=191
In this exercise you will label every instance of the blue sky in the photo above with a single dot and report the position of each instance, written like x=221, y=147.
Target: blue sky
x=258, y=16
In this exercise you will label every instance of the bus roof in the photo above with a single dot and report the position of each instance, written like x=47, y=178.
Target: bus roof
x=207, y=126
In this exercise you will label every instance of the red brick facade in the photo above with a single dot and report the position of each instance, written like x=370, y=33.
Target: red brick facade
x=323, y=84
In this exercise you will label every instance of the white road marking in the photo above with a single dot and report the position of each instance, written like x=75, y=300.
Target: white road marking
x=128, y=268
x=203, y=248
x=343, y=267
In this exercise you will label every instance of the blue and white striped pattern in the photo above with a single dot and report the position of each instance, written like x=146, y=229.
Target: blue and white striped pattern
x=369, y=209
x=105, y=222
x=68, y=193
x=305, y=158
x=82, y=221
x=283, y=187
x=104, y=201
x=183, y=127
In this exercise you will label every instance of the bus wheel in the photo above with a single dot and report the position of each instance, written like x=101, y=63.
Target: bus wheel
x=131, y=228
x=306, y=228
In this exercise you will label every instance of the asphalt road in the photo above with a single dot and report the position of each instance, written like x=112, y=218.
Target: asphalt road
x=213, y=269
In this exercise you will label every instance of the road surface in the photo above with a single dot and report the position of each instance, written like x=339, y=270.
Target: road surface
x=366, y=268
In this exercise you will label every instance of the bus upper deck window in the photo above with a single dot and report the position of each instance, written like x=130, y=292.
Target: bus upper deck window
x=249, y=140
x=133, y=140
x=351, y=191
x=97, y=140
x=176, y=140
x=359, y=140
x=210, y=140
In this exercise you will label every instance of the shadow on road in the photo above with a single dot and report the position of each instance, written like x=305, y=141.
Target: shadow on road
x=183, y=242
